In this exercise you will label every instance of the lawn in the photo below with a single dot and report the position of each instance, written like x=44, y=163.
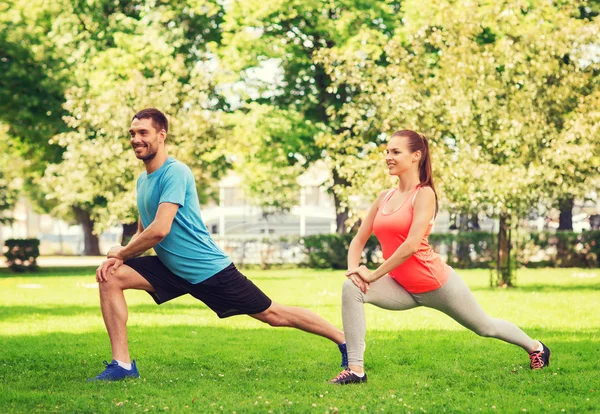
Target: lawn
x=53, y=339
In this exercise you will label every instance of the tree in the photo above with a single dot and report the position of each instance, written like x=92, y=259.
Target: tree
x=265, y=151
x=32, y=81
x=9, y=179
x=288, y=35
x=140, y=68
x=501, y=89
x=69, y=48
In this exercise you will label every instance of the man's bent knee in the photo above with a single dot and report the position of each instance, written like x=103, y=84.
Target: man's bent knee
x=125, y=277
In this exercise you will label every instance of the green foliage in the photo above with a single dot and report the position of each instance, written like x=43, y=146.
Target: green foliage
x=21, y=254
x=289, y=35
x=132, y=56
x=330, y=251
x=266, y=146
x=507, y=92
x=10, y=169
x=32, y=80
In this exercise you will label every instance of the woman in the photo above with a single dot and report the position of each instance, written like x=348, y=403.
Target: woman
x=412, y=274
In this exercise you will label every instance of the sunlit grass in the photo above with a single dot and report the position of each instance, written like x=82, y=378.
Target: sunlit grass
x=53, y=339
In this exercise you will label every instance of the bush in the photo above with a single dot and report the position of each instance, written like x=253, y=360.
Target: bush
x=21, y=254
x=468, y=250
x=563, y=249
x=330, y=251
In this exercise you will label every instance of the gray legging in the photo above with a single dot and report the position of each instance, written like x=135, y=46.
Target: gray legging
x=454, y=299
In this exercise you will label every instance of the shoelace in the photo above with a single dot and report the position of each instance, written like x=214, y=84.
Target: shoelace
x=537, y=361
x=107, y=371
x=345, y=373
x=344, y=361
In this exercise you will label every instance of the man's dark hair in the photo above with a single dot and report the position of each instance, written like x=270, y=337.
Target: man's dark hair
x=159, y=120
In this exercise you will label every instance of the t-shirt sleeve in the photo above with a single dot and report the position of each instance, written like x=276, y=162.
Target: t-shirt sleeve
x=174, y=186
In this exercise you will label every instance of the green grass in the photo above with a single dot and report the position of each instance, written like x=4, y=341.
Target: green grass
x=53, y=339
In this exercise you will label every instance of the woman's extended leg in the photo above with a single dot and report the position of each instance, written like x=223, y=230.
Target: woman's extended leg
x=456, y=300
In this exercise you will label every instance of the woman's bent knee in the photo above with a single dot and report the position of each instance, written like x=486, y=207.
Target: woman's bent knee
x=350, y=291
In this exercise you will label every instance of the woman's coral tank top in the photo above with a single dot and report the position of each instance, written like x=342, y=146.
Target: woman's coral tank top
x=425, y=270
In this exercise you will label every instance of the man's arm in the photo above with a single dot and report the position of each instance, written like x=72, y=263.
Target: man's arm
x=148, y=237
x=140, y=229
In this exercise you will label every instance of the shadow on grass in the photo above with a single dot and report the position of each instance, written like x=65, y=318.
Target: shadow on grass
x=90, y=272
x=16, y=313
x=51, y=272
x=20, y=312
x=538, y=287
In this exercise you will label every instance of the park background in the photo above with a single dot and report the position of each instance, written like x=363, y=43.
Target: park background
x=282, y=109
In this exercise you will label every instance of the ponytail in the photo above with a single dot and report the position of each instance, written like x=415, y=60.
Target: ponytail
x=418, y=142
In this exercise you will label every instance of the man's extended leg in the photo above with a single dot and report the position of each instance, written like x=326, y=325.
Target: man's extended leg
x=300, y=318
x=114, y=307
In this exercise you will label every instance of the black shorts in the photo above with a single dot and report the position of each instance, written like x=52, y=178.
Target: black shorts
x=227, y=293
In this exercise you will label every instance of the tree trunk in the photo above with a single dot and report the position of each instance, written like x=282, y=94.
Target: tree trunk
x=565, y=223
x=129, y=230
x=505, y=268
x=463, y=246
x=91, y=243
x=341, y=210
x=474, y=221
x=565, y=220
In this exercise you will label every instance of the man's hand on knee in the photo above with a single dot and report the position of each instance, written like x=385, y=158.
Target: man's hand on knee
x=115, y=266
x=105, y=267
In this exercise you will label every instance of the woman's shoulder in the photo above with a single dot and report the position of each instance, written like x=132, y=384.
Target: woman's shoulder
x=426, y=190
x=425, y=194
x=383, y=194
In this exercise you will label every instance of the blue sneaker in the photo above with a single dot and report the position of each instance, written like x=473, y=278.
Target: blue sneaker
x=344, y=352
x=113, y=372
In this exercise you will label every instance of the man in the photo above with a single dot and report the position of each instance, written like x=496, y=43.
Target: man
x=187, y=261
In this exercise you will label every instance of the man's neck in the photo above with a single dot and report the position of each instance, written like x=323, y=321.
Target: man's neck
x=156, y=162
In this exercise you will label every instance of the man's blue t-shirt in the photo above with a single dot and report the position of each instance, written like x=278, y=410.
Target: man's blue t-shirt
x=188, y=250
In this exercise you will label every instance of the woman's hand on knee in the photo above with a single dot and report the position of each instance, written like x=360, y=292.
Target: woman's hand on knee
x=361, y=284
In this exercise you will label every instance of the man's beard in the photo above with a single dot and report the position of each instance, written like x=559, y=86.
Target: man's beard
x=148, y=157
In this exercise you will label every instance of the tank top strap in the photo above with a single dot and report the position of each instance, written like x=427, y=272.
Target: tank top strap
x=412, y=204
x=388, y=195
x=414, y=196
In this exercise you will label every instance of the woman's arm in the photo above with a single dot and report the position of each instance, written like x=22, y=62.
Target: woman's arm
x=364, y=232
x=358, y=243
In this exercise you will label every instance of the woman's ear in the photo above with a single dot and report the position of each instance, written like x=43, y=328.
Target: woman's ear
x=416, y=156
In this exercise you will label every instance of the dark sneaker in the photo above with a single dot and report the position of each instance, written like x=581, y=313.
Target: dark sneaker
x=540, y=359
x=113, y=372
x=348, y=377
x=344, y=352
